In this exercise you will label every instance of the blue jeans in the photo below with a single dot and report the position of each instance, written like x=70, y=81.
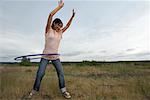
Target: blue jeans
x=41, y=72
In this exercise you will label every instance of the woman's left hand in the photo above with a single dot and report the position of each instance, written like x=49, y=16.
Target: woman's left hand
x=73, y=13
x=60, y=3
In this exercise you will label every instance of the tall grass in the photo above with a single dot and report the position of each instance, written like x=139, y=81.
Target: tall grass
x=86, y=82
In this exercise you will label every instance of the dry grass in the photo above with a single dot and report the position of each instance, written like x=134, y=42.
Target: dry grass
x=105, y=82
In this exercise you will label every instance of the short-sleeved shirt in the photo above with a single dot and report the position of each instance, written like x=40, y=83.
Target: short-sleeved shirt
x=52, y=41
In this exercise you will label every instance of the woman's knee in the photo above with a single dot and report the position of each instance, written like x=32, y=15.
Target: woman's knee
x=40, y=74
x=61, y=75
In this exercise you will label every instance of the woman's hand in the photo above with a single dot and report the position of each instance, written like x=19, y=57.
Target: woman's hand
x=60, y=3
x=69, y=22
x=73, y=13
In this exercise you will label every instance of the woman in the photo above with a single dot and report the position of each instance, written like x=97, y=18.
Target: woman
x=53, y=35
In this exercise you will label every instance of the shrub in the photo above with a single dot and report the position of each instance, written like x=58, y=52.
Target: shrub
x=25, y=62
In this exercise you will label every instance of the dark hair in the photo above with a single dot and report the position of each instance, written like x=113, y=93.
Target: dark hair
x=57, y=21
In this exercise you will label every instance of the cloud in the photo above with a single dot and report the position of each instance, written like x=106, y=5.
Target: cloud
x=143, y=55
x=15, y=44
x=72, y=54
x=103, y=51
x=131, y=49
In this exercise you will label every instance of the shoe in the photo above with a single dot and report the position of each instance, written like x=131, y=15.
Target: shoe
x=66, y=95
x=31, y=94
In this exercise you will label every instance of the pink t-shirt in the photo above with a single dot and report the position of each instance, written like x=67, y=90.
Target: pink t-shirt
x=52, y=41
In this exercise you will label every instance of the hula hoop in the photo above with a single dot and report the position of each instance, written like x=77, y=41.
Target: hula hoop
x=33, y=55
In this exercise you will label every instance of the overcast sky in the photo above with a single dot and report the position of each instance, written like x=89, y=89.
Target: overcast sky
x=109, y=30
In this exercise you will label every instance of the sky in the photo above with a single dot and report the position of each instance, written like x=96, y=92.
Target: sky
x=102, y=30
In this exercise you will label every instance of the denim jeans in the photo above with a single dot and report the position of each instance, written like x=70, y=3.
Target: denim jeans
x=41, y=72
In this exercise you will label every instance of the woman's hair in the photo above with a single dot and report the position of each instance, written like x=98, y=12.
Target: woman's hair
x=57, y=21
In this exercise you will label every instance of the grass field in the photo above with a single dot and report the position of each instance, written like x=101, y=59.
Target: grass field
x=105, y=81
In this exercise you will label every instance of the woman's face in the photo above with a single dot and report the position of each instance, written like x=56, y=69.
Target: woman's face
x=57, y=26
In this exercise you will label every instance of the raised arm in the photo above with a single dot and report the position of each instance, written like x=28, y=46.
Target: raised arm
x=60, y=5
x=69, y=22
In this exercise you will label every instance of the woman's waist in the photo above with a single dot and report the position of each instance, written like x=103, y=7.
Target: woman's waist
x=50, y=57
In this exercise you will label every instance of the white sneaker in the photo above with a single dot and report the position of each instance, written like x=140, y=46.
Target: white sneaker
x=66, y=95
x=30, y=95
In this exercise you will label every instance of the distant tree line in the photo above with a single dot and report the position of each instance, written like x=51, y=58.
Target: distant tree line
x=26, y=62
